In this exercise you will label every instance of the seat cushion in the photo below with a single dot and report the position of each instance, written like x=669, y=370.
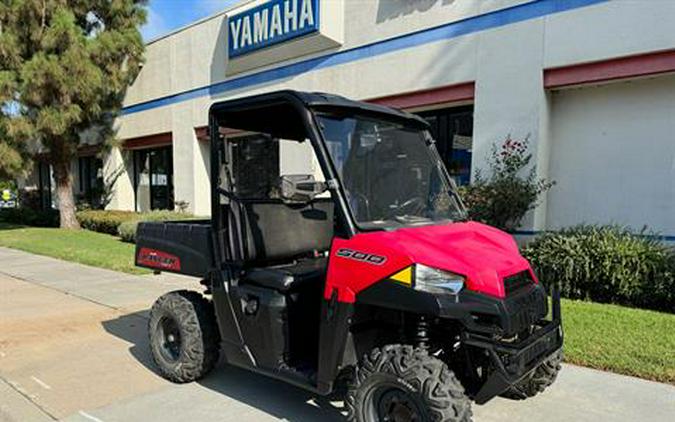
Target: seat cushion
x=288, y=277
x=276, y=232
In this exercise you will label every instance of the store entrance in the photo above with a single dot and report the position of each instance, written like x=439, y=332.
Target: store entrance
x=153, y=178
x=452, y=128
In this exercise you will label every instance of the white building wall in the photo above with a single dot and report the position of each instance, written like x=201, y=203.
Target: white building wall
x=202, y=171
x=613, y=155
x=510, y=100
x=119, y=161
x=506, y=63
x=607, y=30
x=370, y=21
x=185, y=150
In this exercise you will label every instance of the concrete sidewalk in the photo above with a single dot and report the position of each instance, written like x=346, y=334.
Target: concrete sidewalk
x=73, y=346
x=108, y=288
x=62, y=335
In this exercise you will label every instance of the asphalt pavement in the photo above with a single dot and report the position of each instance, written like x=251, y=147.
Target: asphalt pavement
x=73, y=346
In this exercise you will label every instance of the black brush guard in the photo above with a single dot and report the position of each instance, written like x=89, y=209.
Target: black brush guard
x=514, y=361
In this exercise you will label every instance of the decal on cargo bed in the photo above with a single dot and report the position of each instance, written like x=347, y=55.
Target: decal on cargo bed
x=158, y=259
x=361, y=256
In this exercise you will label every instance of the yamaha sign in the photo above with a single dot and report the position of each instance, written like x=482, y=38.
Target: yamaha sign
x=271, y=23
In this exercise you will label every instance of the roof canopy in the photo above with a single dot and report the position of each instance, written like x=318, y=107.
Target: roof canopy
x=279, y=113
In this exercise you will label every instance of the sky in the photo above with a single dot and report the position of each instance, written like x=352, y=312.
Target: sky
x=167, y=15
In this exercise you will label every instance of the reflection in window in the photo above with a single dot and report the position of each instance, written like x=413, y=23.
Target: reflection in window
x=259, y=160
x=452, y=129
x=390, y=175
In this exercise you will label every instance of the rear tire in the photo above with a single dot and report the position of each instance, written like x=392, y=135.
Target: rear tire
x=538, y=381
x=398, y=382
x=184, y=337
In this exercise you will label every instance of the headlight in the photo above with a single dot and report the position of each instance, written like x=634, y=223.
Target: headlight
x=436, y=281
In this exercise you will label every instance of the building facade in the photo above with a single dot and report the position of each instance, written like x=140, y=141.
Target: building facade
x=591, y=83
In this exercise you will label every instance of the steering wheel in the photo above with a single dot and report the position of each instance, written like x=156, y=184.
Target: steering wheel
x=413, y=204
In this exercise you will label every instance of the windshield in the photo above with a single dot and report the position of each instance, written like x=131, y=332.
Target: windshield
x=391, y=176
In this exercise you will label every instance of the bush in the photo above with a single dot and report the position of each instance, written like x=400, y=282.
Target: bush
x=606, y=264
x=103, y=221
x=506, y=195
x=30, y=198
x=30, y=217
x=127, y=230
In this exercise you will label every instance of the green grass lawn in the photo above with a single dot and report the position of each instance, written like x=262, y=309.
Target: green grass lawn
x=619, y=339
x=608, y=337
x=83, y=246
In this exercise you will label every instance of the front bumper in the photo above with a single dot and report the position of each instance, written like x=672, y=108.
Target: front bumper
x=513, y=361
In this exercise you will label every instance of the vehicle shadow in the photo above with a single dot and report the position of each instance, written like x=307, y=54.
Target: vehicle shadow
x=273, y=397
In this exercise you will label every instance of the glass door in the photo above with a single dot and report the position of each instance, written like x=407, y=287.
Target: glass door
x=153, y=179
x=161, y=179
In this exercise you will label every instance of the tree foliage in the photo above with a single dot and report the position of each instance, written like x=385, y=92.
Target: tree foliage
x=65, y=68
x=502, y=198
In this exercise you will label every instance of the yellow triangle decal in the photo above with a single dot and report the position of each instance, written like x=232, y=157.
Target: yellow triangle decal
x=404, y=276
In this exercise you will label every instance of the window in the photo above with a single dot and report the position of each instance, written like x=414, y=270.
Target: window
x=390, y=175
x=452, y=128
x=153, y=179
x=91, y=180
x=45, y=185
x=255, y=166
x=259, y=160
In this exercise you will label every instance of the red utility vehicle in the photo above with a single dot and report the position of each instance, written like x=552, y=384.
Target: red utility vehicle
x=339, y=258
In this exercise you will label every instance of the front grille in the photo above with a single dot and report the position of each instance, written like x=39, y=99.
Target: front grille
x=525, y=309
x=539, y=348
x=515, y=283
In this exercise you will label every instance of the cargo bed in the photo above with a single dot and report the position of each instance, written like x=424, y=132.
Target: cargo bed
x=183, y=247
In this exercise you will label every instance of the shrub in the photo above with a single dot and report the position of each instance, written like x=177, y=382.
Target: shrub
x=104, y=221
x=30, y=217
x=127, y=230
x=111, y=222
x=606, y=264
x=30, y=198
x=504, y=197
x=8, y=184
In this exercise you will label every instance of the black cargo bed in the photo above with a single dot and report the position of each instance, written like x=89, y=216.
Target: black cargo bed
x=183, y=247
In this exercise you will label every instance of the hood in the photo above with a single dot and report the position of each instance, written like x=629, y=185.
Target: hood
x=483, y=254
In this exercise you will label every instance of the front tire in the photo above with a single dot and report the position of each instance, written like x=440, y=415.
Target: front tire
x=184, y=337
x=400, y=383
x=540, y=380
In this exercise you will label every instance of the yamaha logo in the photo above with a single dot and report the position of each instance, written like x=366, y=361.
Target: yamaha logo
x=271, y=23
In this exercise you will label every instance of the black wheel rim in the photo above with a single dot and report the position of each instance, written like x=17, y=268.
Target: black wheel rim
x=390, y=403
x=170, y=339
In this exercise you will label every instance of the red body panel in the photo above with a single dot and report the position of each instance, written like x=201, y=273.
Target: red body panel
x=483, y=254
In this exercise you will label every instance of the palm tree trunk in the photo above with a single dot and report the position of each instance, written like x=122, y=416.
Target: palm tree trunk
x=64, y=193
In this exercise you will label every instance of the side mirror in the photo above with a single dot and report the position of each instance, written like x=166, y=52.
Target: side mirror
x=300, y=188
x=368, y=141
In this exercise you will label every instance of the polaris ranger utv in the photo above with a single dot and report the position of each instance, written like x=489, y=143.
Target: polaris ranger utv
x=338, y=253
